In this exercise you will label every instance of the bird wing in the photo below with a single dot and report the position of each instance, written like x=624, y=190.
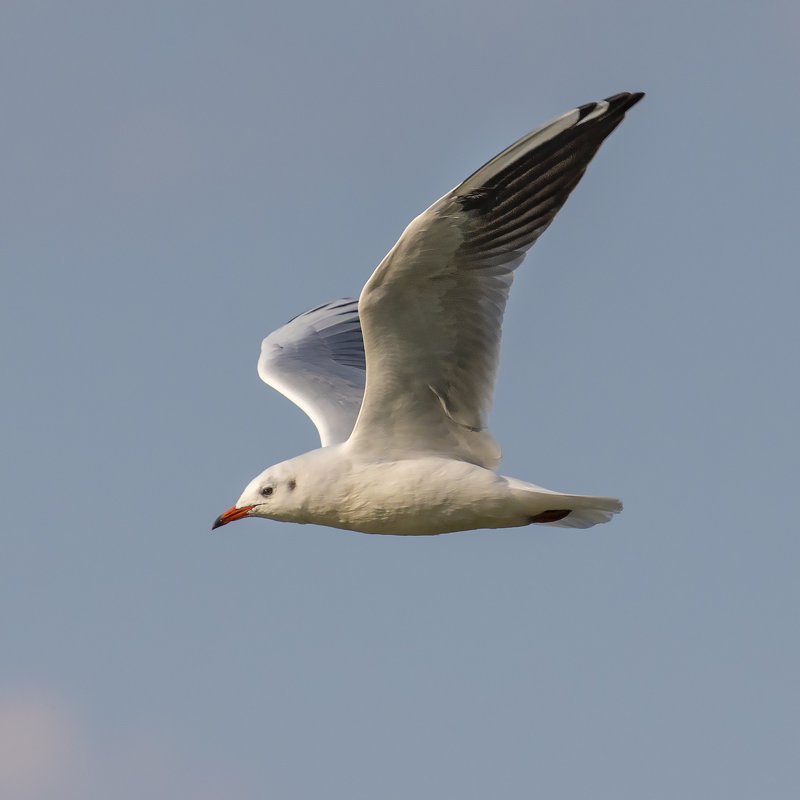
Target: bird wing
x=317, y=361
x=431, y=313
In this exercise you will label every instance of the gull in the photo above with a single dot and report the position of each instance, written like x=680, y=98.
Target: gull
x=400, y=383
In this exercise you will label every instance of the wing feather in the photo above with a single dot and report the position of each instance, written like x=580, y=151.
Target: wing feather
x=432, y=311
x=317, y=361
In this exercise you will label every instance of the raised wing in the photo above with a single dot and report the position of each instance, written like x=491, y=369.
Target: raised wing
x=432, y=311
x=317, y=361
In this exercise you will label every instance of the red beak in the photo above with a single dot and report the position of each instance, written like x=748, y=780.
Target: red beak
x=230, y=515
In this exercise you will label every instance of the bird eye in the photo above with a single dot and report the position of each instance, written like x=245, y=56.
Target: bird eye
x=267, y=491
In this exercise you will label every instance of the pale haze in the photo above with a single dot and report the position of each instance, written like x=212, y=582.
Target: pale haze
x=178, y=180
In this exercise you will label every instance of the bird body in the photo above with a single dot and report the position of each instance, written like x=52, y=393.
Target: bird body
x=337, y=487
x=400, y=383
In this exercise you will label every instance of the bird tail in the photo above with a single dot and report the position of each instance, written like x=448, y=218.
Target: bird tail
x=547, y=507
x=585, y=511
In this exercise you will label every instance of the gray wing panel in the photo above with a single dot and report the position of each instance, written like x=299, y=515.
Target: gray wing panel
x=317, y=361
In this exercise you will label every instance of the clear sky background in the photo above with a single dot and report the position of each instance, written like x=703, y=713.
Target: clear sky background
x=177, y=179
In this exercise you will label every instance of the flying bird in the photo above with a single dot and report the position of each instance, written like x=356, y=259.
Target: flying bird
x=400, y=382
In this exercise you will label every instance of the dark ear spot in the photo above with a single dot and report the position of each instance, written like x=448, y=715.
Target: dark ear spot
x=292, y=484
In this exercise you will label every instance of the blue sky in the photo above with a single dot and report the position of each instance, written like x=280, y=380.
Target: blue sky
x=178, y=179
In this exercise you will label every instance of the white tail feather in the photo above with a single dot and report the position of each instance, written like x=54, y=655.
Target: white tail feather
x=584, y=510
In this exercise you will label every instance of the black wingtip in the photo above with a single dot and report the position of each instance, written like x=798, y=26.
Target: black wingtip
x=617, y=104
x=621, y=102
x=585, y=110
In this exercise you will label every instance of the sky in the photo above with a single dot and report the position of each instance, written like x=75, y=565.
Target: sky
x=177, y=180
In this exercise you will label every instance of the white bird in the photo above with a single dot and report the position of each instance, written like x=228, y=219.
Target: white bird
x=402, y=413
